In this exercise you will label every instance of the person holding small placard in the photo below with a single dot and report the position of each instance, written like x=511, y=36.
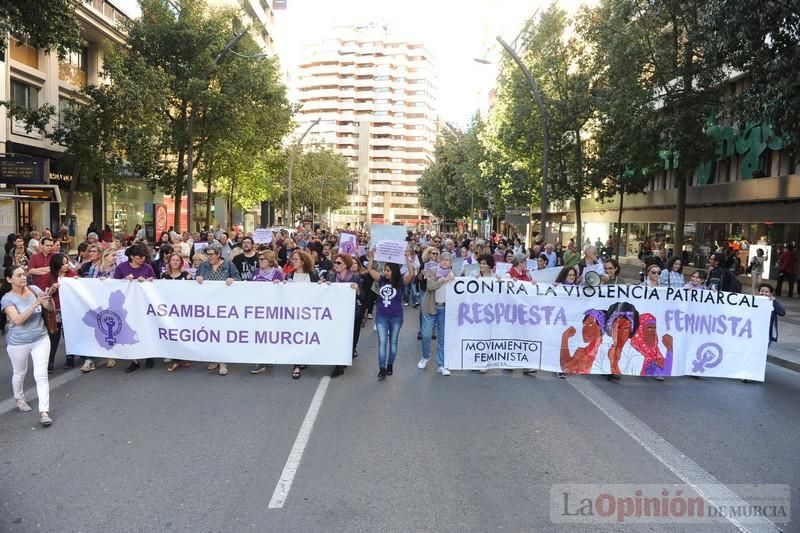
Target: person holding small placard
x=389, y=309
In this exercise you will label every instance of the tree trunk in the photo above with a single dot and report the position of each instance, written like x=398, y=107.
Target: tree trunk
x=619, y=219
x=176, y=222
x=578, y=224
x=680, y=215
x=230, y=204
x=73, y=185
x=579, y=188
x=208, y=196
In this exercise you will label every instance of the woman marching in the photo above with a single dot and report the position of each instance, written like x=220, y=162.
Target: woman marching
x=302, y=270
x=389, y=312
x=433, y=312
x=59, y=268
x=176, y=271
x=27, y=337
x=216, y=268
x=342, y=273
x=267, y=270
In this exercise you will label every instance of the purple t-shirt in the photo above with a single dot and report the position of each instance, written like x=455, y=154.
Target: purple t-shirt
x=390, y=300
x=125, y=269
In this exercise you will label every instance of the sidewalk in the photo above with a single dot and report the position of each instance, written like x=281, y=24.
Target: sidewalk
x=785, y=352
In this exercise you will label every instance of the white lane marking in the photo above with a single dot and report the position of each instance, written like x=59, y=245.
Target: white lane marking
x=293, y=461
x=10, y=404
x=703, y=483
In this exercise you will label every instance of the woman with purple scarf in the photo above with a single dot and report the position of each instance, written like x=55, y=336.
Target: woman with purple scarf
x=268, y=268
x=433, y=310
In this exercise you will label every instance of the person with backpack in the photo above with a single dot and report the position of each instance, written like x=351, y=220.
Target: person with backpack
x=720, y=278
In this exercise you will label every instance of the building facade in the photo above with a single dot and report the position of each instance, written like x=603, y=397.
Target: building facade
x=32, y=78
x=375, y=96
x=747, y=192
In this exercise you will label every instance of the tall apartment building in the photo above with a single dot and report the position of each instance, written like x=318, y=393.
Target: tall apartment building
x=375, y=97
x=259, y=15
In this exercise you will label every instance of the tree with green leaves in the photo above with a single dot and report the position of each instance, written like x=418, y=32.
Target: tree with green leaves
x=228, y=97
x=626, y=147
x=761, y=39
x=320, y=180
x=559, y=60
x=46, y=24
x=667, y=43
x=453, y=185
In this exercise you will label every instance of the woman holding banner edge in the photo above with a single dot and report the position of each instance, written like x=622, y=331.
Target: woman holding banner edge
x=302, y=271
x=342, y=273
x=389, y=309
x=215, y=268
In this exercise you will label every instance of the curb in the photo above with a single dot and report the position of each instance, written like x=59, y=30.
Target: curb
x=791, y=365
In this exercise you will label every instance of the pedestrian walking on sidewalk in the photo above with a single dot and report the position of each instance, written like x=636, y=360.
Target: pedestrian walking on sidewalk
x=787, y=268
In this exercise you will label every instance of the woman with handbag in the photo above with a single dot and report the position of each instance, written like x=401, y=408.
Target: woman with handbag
x=22, y=307
x=59, y=268
x=756, y=270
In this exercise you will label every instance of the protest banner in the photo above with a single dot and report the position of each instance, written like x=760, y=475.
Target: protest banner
x=610, y=329
x=302, y=323
x=385, y=232
x=121, y=257
x=348, y=243
x=200, y=247
x=262, y=236
x=391, y=252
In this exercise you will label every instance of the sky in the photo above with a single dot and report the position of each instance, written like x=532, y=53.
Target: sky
x=454, y=31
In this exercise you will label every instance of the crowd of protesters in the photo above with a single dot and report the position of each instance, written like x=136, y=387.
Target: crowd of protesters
x=35, y=264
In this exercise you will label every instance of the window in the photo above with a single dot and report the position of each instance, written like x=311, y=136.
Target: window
x=21, y=51
x=24, y=95
x=27, y=97
x=63, y=108
x=74, y=67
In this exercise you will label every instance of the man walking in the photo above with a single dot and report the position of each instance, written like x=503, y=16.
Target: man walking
x=787, y=267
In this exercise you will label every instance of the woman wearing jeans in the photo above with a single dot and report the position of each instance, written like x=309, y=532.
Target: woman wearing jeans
x=433, y=310
x=27, y=336
x=389, y=313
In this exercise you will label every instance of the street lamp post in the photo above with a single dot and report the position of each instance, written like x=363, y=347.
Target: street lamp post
x=190, y=134
x=537, y=97
x=292, y=158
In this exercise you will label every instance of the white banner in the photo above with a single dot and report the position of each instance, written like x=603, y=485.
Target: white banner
x=247, y=322
x=619, y=329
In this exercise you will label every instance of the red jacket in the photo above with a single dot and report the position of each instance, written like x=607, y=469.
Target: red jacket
x=787, y=262
x=517, y=276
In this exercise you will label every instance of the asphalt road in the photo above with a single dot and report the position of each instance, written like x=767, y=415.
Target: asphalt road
x=196, y=452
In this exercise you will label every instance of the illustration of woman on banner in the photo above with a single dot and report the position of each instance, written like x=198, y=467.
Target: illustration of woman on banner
x=622, y=322
x=646, y=343
x=592, y=332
